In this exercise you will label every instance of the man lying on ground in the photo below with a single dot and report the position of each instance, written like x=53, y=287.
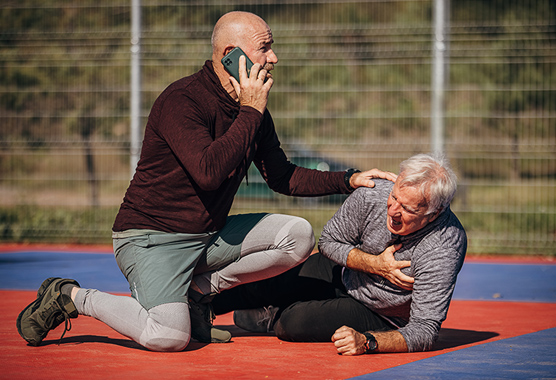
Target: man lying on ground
x=355, y=279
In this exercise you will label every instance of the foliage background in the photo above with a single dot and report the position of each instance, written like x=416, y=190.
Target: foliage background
x=353, y=89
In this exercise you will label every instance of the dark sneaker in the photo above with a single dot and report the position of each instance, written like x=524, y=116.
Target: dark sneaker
x=202, y=316
x=47, y=312
x=256, y=320
x=45, y=284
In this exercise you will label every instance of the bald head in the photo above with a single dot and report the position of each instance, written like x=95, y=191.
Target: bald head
x=248, y=32
x=236, y=29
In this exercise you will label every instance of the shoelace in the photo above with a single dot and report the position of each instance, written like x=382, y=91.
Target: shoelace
x=67, y=323
x=67, y=319
x=211, y=315
x=206, y=312
x=266, y=318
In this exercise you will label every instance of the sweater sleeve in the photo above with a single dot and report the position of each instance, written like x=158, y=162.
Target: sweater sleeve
x=435, y=279
x=342, y=233
x=185, y=125
x=286, y=178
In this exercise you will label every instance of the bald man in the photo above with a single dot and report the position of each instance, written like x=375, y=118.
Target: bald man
x=173, y=238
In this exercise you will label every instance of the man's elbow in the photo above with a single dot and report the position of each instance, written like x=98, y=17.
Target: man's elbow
x=421, y=341
x=209, y=182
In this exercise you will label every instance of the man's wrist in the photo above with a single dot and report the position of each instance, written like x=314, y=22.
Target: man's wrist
x=347, y=177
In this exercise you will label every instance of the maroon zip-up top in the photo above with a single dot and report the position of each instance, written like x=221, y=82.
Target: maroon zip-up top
x=197, y=147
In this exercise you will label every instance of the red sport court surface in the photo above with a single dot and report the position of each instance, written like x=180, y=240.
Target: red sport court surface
x=501, y=325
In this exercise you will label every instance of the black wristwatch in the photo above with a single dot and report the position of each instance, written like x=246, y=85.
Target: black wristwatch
x=371, y=343
x=347, y=177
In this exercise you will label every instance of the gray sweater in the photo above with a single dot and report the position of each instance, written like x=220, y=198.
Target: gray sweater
x=436, y=253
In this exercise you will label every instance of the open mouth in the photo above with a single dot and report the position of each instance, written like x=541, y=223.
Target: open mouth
x=395, y=224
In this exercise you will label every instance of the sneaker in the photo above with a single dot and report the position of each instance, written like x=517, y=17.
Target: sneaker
x=256, y=320
x=45, y=284
x=202, y=315
x=47, y=312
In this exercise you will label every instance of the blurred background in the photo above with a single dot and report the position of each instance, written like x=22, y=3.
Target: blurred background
x=355, y=86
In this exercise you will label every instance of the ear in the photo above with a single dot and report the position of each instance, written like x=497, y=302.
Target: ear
x=228, y=49
x=432, y=217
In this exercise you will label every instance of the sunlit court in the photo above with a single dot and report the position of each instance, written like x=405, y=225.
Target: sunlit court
x=121, y=120
x=500, y=325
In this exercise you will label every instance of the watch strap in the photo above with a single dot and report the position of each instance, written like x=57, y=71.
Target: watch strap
x=347, y=177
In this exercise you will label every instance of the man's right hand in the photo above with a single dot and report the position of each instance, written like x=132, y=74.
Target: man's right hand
x=387, y=267
x=384, y=265
x=253, y=90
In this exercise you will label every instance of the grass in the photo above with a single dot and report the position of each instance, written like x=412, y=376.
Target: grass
x=31, y=224
x=503, y=232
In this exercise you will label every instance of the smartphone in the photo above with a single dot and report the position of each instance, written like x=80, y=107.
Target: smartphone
x=231, y=62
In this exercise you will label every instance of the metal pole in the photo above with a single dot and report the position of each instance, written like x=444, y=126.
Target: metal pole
x=135, y=96
x=440, y=69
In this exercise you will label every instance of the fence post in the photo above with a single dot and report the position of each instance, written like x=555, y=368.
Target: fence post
x=440, y=70
x=135, y=96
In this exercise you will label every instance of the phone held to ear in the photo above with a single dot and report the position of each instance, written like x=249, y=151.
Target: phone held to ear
x=231, y=62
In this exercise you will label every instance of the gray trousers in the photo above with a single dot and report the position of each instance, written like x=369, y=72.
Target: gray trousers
x=250, y=248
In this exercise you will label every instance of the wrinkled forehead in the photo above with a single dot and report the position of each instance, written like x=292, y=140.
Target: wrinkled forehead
x=260, y=34
x=409, y=194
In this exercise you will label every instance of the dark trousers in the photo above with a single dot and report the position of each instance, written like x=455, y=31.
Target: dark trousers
x=312, y=299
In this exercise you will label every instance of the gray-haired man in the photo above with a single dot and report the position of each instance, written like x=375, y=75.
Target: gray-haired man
x=355, y=280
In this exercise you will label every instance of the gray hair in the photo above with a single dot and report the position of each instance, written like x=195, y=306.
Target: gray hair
x=432, y=174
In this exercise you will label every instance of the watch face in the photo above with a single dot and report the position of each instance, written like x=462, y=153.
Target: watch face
x=370, y=344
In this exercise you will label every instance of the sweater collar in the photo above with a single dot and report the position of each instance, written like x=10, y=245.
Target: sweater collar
x=212, y=80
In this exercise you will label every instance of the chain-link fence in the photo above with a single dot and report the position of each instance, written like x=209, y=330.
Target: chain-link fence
x=352, y=89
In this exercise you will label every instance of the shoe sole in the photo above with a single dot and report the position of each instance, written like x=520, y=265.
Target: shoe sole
x=222, y=341
x=226, y=339
x=214, y=340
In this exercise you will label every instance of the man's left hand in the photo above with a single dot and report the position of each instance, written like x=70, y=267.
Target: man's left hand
x=365, y=178
x=348, y=341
